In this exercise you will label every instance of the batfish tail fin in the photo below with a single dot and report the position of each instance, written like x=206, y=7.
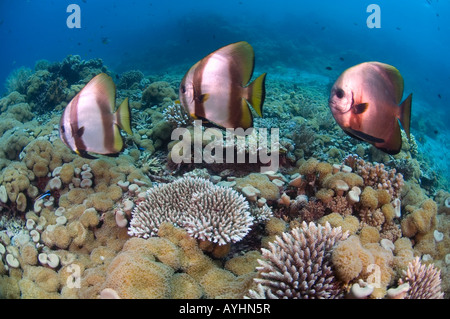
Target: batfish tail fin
x=123, y=117
x=405, y=114
x=257, y=93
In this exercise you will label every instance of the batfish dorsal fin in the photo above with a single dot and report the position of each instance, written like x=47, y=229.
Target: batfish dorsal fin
x=242, y=57
x=394, y=76
x=104, y=89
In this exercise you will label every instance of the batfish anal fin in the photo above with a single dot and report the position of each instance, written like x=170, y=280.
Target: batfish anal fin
x=85, y=154
x=366, y=137
x=389, y=151
x=246, y=119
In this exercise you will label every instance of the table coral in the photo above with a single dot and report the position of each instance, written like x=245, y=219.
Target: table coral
x=225, y=215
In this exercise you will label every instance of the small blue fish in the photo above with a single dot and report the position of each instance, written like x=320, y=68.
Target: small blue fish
x=42, y=196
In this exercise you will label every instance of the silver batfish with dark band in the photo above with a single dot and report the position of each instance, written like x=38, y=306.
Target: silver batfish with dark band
x=216, y=89
x=90, y=123
x=365, y=102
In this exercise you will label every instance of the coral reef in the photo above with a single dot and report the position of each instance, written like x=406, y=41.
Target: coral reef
x=373, y=225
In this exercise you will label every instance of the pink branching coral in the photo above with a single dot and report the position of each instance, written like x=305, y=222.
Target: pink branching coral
x=312, y=211
x=340, y=205
x=208, y=212
x=424, y=281
x=376, y=175
x=374, y=218
x=298, y=265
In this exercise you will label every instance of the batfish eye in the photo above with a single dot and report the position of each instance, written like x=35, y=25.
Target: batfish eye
x=62, y=129
x=340, y=93
x=183, y=89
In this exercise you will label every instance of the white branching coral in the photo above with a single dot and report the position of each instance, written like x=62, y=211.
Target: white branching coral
x=208, y=212
x=424, y=281
x=177, y=115
x=298, y=265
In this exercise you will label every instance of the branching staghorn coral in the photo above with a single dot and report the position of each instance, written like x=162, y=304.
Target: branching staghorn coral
x=424, y=282
x=298, y=265
x=208, y=212
x=177, y=115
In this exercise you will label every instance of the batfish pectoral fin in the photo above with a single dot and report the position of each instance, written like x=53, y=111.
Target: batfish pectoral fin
x=203, y=98
x=77, y=132
x=360, y=108
x=256, y=93
x=405, y=114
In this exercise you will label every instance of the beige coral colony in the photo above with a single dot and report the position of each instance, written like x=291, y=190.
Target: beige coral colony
x=337, y=219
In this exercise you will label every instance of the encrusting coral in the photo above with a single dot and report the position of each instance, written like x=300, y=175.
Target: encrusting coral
x=171, y=266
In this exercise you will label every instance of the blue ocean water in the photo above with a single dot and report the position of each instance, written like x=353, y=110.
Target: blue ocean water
x=313, y=36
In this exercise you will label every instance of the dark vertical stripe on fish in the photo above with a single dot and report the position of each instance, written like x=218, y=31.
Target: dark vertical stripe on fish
x=107, y=128
x=235, y=95
x=199, y=105
x=79, y=143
